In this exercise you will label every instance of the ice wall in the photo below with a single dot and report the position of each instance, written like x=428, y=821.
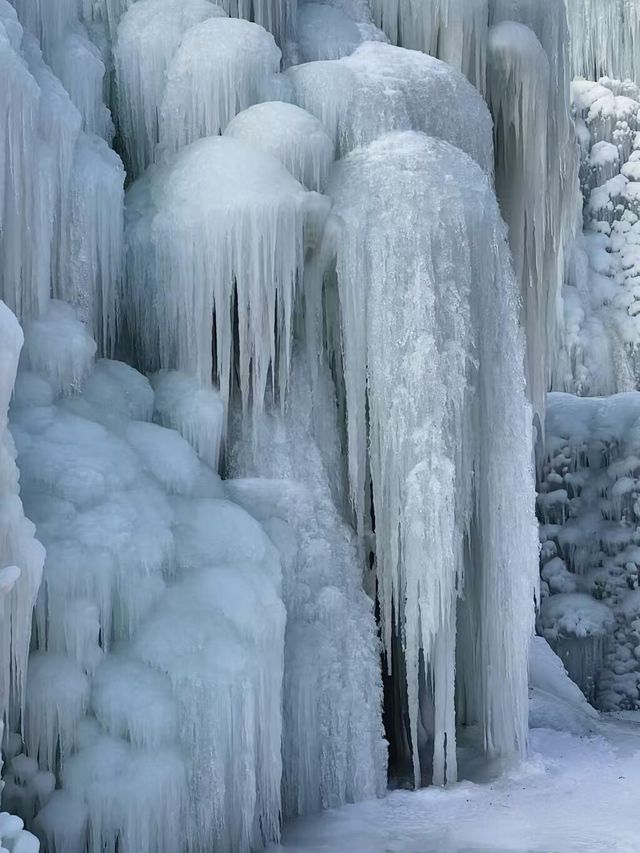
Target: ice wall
x=604, y=37
x=431, y=358
x=453, y=30
x=62, y=190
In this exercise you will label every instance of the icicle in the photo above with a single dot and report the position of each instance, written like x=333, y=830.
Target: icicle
x=327, y=32
x=223, y=221
x=21, y=555
x=453, y=30
x=381, y=88
x=605, y=38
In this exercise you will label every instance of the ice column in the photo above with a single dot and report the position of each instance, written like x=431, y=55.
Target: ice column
x=434, y=386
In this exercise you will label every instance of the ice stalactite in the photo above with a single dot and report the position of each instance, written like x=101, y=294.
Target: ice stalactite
x=380, y=88
x=605, y=38
x=453, y=30
x=333, y=749
x=218, y=230
x=148, y=36
x=528, y=92
x=432, y=365
x=154, y=692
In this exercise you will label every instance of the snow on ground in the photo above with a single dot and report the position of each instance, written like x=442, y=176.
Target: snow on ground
x=574, y=793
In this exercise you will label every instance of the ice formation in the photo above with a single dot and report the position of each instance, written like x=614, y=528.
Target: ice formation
x=590, y=543
x=221, y=224
x=380, y=88
x=419, y=441
x=604, y=38
x=204, y=655
x=149, y=35
x=601, y=297
x=453, y=30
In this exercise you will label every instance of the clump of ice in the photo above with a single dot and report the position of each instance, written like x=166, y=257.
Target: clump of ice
x=380, y=88
x=290, y=134
x=217, y=71
x=218, y=230
x=149, y=34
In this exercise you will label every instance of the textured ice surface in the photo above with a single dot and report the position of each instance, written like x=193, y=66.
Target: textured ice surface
x=218, y=70
x=148, y=36
x=604, y=38
x=588, y=508
x=292, y=135
x=453, y=30
x=381, y=88
x=437, y=357
x=222, y=221
x=155, y=685
x=333, y=750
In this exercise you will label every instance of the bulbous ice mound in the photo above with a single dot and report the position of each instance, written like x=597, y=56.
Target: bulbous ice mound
x=453, y=30
x=292, y=135
x=218, y=70
x=223, y=220
x=380, y=88
x=435, y=396
x=149, y=34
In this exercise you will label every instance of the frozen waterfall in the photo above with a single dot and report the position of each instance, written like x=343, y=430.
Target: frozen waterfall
x=284, y=289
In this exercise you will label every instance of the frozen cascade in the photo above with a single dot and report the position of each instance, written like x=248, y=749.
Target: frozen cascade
x=380, y=88
x=605, y=38
x=420, y=317
x=189, y=226
x=148, y=36
x=333, y=750
x=158, y=594
x=453, y=30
